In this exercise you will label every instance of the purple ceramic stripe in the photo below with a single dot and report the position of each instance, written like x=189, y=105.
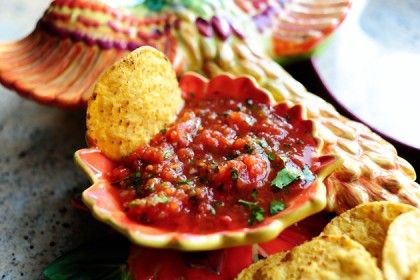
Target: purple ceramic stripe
x=221, y=27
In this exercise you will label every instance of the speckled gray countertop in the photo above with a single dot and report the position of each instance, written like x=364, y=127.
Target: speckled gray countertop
x=37, y=174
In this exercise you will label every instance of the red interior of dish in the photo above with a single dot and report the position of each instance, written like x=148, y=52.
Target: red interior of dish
x=107, y=198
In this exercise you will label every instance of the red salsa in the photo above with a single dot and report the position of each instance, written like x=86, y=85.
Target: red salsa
x=222, y=165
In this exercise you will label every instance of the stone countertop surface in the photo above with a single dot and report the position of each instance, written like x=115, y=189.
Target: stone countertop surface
x=37, y=175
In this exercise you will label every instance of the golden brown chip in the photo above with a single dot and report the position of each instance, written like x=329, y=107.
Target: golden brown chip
x=325, y=257
x=269, y=262
x=132, y=101
x=401, y=252
x=414, y=272
x=368, y=224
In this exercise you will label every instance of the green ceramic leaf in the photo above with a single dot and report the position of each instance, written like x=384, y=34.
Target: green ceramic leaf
x=104, y=260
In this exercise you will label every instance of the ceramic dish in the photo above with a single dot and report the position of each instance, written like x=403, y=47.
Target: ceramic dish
x=80, y=38
x=102, y=197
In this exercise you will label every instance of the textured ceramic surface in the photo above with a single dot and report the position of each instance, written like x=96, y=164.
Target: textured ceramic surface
x=76, y=40
x=373, y=64
x=372, y=170
x=102, y=197
x=45, y=139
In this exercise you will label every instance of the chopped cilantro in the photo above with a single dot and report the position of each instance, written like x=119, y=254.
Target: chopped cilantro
x=212, y=210
x=234, y=174
x=214, y=167
x=184, y=182
x=307, y=176
x=149, y=175
x=136, y=202
x=247, y=203
x=167, y=154
x=151, y=188
x=291, y=173
x=271, y=156
x=257, y=215
x=276, y=206
x=257, y=212
x=248, y=149
x=160, y=199
x=286, y=176
x=261, y=142
x=137, y=179
x=133, y=181
x=254, y=194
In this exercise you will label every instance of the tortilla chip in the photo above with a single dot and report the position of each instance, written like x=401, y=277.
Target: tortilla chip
x=414, y=272
x=269, y=264
x=132, y=101
x=401, y=254
x=368, y=224
x=325, y=257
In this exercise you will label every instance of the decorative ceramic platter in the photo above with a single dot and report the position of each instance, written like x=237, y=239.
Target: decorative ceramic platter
x=103, y=198
x=74, y=41
x=37, y=179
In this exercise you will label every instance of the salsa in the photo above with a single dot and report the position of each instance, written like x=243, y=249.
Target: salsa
x=222, y=165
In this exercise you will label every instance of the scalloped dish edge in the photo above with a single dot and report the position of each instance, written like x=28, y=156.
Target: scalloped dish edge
x=195, y=242
x=266, y=231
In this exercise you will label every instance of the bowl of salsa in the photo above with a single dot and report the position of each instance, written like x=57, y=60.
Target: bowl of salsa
x=234, y=168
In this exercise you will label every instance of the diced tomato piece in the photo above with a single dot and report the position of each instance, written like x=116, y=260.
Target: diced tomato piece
x=119, y=173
